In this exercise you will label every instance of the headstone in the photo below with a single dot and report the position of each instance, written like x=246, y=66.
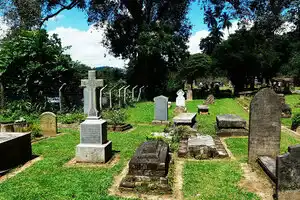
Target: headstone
x=149, y=167
x=288, y=174
x=209, y=100
x=180, y=100
x=161, y=108
x=94, y=146
x=15, y=149
x=264, y=125
x=231, y=125
x=202, y=147
x=48, y=122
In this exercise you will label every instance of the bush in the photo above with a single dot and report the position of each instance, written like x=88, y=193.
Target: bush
x=295, y=121
x=115, y=117
x=71, y=118
x=35, y=130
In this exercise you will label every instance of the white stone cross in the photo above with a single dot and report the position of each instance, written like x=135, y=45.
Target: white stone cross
x=91, y=84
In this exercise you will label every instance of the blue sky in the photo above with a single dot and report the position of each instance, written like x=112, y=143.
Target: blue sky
x=78, y=19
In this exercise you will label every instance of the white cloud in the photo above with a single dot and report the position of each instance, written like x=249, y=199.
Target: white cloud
x=56, y=18
x=194, y=40
x=87, y=47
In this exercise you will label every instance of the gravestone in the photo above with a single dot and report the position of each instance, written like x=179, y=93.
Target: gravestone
x=15, y=149
x=209, y=100
x=149, y=167
x=264, y=125
x=231, y=125
x=48, y=122
x=94, y=146
x=180, y=100
x=161, y=109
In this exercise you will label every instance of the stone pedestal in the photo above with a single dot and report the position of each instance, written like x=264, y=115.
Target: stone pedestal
x=231, y=125
x=94, y=146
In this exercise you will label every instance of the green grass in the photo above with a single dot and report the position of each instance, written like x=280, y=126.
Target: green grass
x=214, y=180
x=239, y=146
x=144, y=113
x=293, y=100
x=49, y=179
x=206, y=123
x=209, y=180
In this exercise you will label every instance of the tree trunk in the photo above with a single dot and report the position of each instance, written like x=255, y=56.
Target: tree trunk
x=1, y=95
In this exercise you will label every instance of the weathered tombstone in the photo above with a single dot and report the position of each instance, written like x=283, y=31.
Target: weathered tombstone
x=15, y=149
x=149, y=167
x=48, y=123
x=185, y=119
x=94, y=146
x=210, y=100
x=180, y=100
x=161, y=109
x=264, y=125
x=203, y=109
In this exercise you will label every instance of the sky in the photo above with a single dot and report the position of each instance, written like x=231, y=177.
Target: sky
x=85, y=41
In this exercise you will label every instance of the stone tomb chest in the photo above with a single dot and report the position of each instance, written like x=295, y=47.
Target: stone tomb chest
x=188, y=119
x=149, y=167
x=15, y=149
x=231, y=125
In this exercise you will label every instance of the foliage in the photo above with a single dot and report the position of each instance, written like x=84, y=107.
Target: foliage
x=115, y=117
x=295, y=121
x=35, y=130
x=198, y=65
x=37, y=66
x=152, y=35
x=69, y=118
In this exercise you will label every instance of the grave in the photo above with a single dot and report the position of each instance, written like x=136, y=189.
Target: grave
x=185, y=119
x=94, y=146
x=209, y=100
x=202, y=147
x=15, y=149
x=149, y=168
x=284, y=171
x=160, y=110
x=203, y=109
x=264, y=125
x=48, y=122
x=231, y=125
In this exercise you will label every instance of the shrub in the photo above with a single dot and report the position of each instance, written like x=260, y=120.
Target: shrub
x=35, y=130
x=295, y=121
x=71, y=118
x=115, y=117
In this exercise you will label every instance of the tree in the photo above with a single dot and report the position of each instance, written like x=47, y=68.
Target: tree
x=33, y=65
x=225, y=21
x=198, y=65
x=151, y=34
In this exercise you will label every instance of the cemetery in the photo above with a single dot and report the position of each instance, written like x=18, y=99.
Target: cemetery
x=150, y=100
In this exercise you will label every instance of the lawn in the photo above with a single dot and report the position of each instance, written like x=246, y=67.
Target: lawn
x=50, y=179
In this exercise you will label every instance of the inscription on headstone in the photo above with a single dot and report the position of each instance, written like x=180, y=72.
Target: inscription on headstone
x=161, y=108
x=48, y=123
x=264, y=125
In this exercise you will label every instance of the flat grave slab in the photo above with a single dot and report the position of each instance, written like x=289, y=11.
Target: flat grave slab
x=185, y=119
x=269, y=166
x=203, y=109
x=15, y=149
x=230, y=121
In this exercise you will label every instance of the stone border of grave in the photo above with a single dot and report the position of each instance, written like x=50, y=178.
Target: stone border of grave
x=13, y=126
x=119, y=128
x=111, y=163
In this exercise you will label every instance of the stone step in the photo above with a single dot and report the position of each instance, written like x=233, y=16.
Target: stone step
x=221, y=151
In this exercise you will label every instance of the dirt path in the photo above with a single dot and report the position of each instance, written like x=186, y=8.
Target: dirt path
x=253, y=182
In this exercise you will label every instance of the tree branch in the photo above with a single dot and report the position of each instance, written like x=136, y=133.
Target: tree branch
x=63, y=7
